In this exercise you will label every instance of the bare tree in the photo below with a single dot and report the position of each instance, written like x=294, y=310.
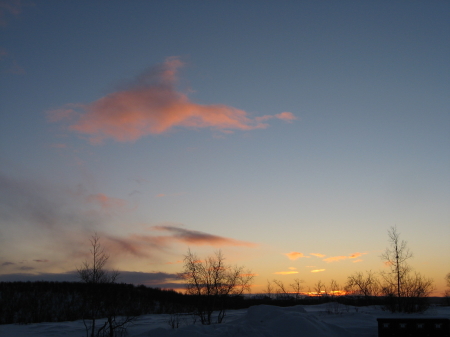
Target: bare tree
x=407, y=291
x=293, y=292
x=282, y=291
x=297, y=288
x=213, y=282
x=396, y=257
x=334, y=288
x=366, y=286
x=269, y=289
x=320, y=289
x=447, y=292
x=333, y=306
x=100, y=298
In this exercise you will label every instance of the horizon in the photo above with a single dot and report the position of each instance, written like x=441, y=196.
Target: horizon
x=291, y=136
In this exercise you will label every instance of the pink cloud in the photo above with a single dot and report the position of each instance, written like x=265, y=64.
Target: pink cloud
x=295, y=255
x=286, y=116
x=105, y=201
x=152, y=105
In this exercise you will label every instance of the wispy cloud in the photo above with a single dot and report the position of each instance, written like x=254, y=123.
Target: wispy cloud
x=106, y=202
x=4, y=264
x=295, y=255
x=141, y=246
x=286, y=272
x=152, y=105
x=317, y=255
x=317, y=270
x=144, y=246
x=9, y=7
x=343, y=257
x=40, y=261
x=201, y=238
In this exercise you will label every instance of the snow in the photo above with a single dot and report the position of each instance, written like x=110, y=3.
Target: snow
x=322, y=320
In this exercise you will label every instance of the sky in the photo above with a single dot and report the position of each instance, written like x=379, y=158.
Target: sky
x=289, y=135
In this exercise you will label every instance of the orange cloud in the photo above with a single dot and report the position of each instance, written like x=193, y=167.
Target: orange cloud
x=355, y=255
x=106, y=202
x=295, y=255
x=317, y=254
x=317, y=270
x=151, y=105
x=286, y=272
x=200, y=238
x=338, y=258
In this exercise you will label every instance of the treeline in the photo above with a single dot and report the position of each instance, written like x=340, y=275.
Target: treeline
x=34, y=302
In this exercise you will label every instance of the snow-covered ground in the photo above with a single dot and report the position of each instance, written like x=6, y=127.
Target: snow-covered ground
x=257, y=321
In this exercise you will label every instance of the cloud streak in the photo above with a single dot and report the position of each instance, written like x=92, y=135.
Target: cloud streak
x=286, y=272
x=106, y=202
x=295, y=255
x=144, y=246
x=317, y=255
x=343, y=257
x=152, y=105
x=201, y=238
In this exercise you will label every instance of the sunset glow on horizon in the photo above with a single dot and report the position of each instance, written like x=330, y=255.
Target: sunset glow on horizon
x=288, y=135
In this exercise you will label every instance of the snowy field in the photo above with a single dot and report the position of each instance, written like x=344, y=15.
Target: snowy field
x=257, y=321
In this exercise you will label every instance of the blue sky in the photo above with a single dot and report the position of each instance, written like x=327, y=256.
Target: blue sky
x=257, y=127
